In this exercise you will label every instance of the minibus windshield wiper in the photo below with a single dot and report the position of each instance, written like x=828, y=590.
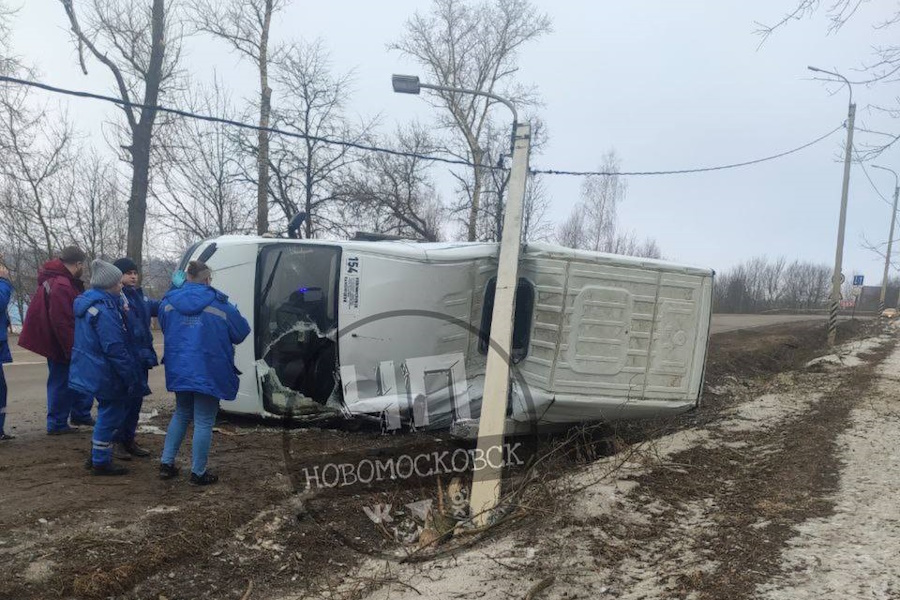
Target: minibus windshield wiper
x=271, y=280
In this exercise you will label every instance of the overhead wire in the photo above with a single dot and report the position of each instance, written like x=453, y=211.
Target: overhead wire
x=391, y=151
x=872, y=183
x=694, y=170
x=239, y=124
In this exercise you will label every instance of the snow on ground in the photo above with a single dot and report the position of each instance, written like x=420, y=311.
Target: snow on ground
x=848, y=355
x=850, y=555
x=855, y=553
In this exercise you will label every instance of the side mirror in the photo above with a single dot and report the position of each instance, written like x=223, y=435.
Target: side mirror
x=293, y=230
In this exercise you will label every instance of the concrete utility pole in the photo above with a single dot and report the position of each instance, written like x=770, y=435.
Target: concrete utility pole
x=486, y=481
x=887, y=257
x=491, y=427
x=837, y=276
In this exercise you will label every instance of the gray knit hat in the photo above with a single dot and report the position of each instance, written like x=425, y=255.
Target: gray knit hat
x=104, y=275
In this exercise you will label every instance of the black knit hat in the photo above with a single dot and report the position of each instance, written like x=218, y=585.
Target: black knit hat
x=125, y=265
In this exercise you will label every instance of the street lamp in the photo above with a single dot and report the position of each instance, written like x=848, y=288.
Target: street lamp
x=845, y=188
x=486, y=480
x=887, y=257
x=410, y=84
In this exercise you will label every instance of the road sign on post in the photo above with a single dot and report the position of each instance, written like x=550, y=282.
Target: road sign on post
x=858, y=280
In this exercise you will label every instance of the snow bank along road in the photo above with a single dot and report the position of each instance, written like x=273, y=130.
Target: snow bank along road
x=787, y=491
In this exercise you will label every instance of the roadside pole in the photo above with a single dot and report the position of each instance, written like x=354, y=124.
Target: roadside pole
x=839, y=254
x=486, y=481
x=887, y=257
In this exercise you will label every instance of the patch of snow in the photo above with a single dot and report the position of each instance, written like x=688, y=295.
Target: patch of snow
x=767, y=410
x=151, y=429
x=853, y=553
x=847, y=354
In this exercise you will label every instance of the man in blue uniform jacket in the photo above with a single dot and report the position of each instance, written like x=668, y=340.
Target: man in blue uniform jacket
x=200, y=328
x=139, y=309
x=105, y=364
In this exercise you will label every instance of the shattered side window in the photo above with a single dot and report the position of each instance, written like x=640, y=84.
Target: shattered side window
x=296, y=301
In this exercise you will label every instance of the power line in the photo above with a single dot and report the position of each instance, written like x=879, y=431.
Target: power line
x=695, y=170
x=390, y=151
x=872, y=183
x=239, y=124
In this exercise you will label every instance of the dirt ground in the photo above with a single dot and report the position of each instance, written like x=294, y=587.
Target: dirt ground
x=749, y=496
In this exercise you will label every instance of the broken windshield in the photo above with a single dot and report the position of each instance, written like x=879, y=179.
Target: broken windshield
x=296, y=324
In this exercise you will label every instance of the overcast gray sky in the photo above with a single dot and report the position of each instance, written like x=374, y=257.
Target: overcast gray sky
x=668, y=85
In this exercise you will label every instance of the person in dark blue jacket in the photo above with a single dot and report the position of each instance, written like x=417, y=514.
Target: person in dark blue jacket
x=139, y=309
x=6, y=290
x=200, y=328
x=104, y=362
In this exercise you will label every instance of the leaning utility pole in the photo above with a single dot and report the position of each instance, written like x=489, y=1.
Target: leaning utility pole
x=486, y=481
x=887, y=257
x=837, y=277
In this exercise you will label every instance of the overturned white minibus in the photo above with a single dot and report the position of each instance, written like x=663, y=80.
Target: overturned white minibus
x=398, y=331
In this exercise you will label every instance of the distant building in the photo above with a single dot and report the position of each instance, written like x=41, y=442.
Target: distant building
x=868, y=300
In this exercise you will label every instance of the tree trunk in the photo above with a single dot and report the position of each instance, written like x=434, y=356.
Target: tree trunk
x=478, y=155
x=142, y=138
x=137, y=202
x=265, y=108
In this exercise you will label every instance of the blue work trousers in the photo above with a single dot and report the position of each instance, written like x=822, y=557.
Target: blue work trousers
x=63, y=403
x=201, y=409
x=110, y=417
x=126, y=434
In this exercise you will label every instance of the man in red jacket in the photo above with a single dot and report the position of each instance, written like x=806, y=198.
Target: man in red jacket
x=49, y=330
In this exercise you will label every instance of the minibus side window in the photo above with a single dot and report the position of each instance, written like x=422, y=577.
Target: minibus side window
x=521, y=320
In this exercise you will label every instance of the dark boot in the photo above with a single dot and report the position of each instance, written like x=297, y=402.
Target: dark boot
x=89, y=422
x=206, y=479
x=64, y=431
x=133, y=449
x=108, y=470
x=120, y=452
x=167, y=471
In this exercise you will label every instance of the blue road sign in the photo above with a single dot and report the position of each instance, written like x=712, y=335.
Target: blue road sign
x=858, y=279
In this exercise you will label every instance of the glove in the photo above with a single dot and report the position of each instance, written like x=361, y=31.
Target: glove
x=178, y=278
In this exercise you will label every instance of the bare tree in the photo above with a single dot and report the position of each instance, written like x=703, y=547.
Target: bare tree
x=245, y=26
x=306, y=174
x=882, y=67
x=473, y=46
x=395, y=194
x=202, y=194
x=7, y=61
x=760, y=284
x=36, y=153
x=593, y=224
x=140, y=46
x=97, y=218
x=535, y=221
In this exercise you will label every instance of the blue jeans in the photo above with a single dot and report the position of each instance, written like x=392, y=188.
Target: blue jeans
x=63, y=402
x=201, y=409
x=2, y=400
x=126, y=434
x=110, y=416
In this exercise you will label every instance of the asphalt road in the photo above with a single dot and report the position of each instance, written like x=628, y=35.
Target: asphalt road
x=723, y=323
x=27, y=375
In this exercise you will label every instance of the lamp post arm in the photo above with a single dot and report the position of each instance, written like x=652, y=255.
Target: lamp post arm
x=838, y=75
x=443, y=88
